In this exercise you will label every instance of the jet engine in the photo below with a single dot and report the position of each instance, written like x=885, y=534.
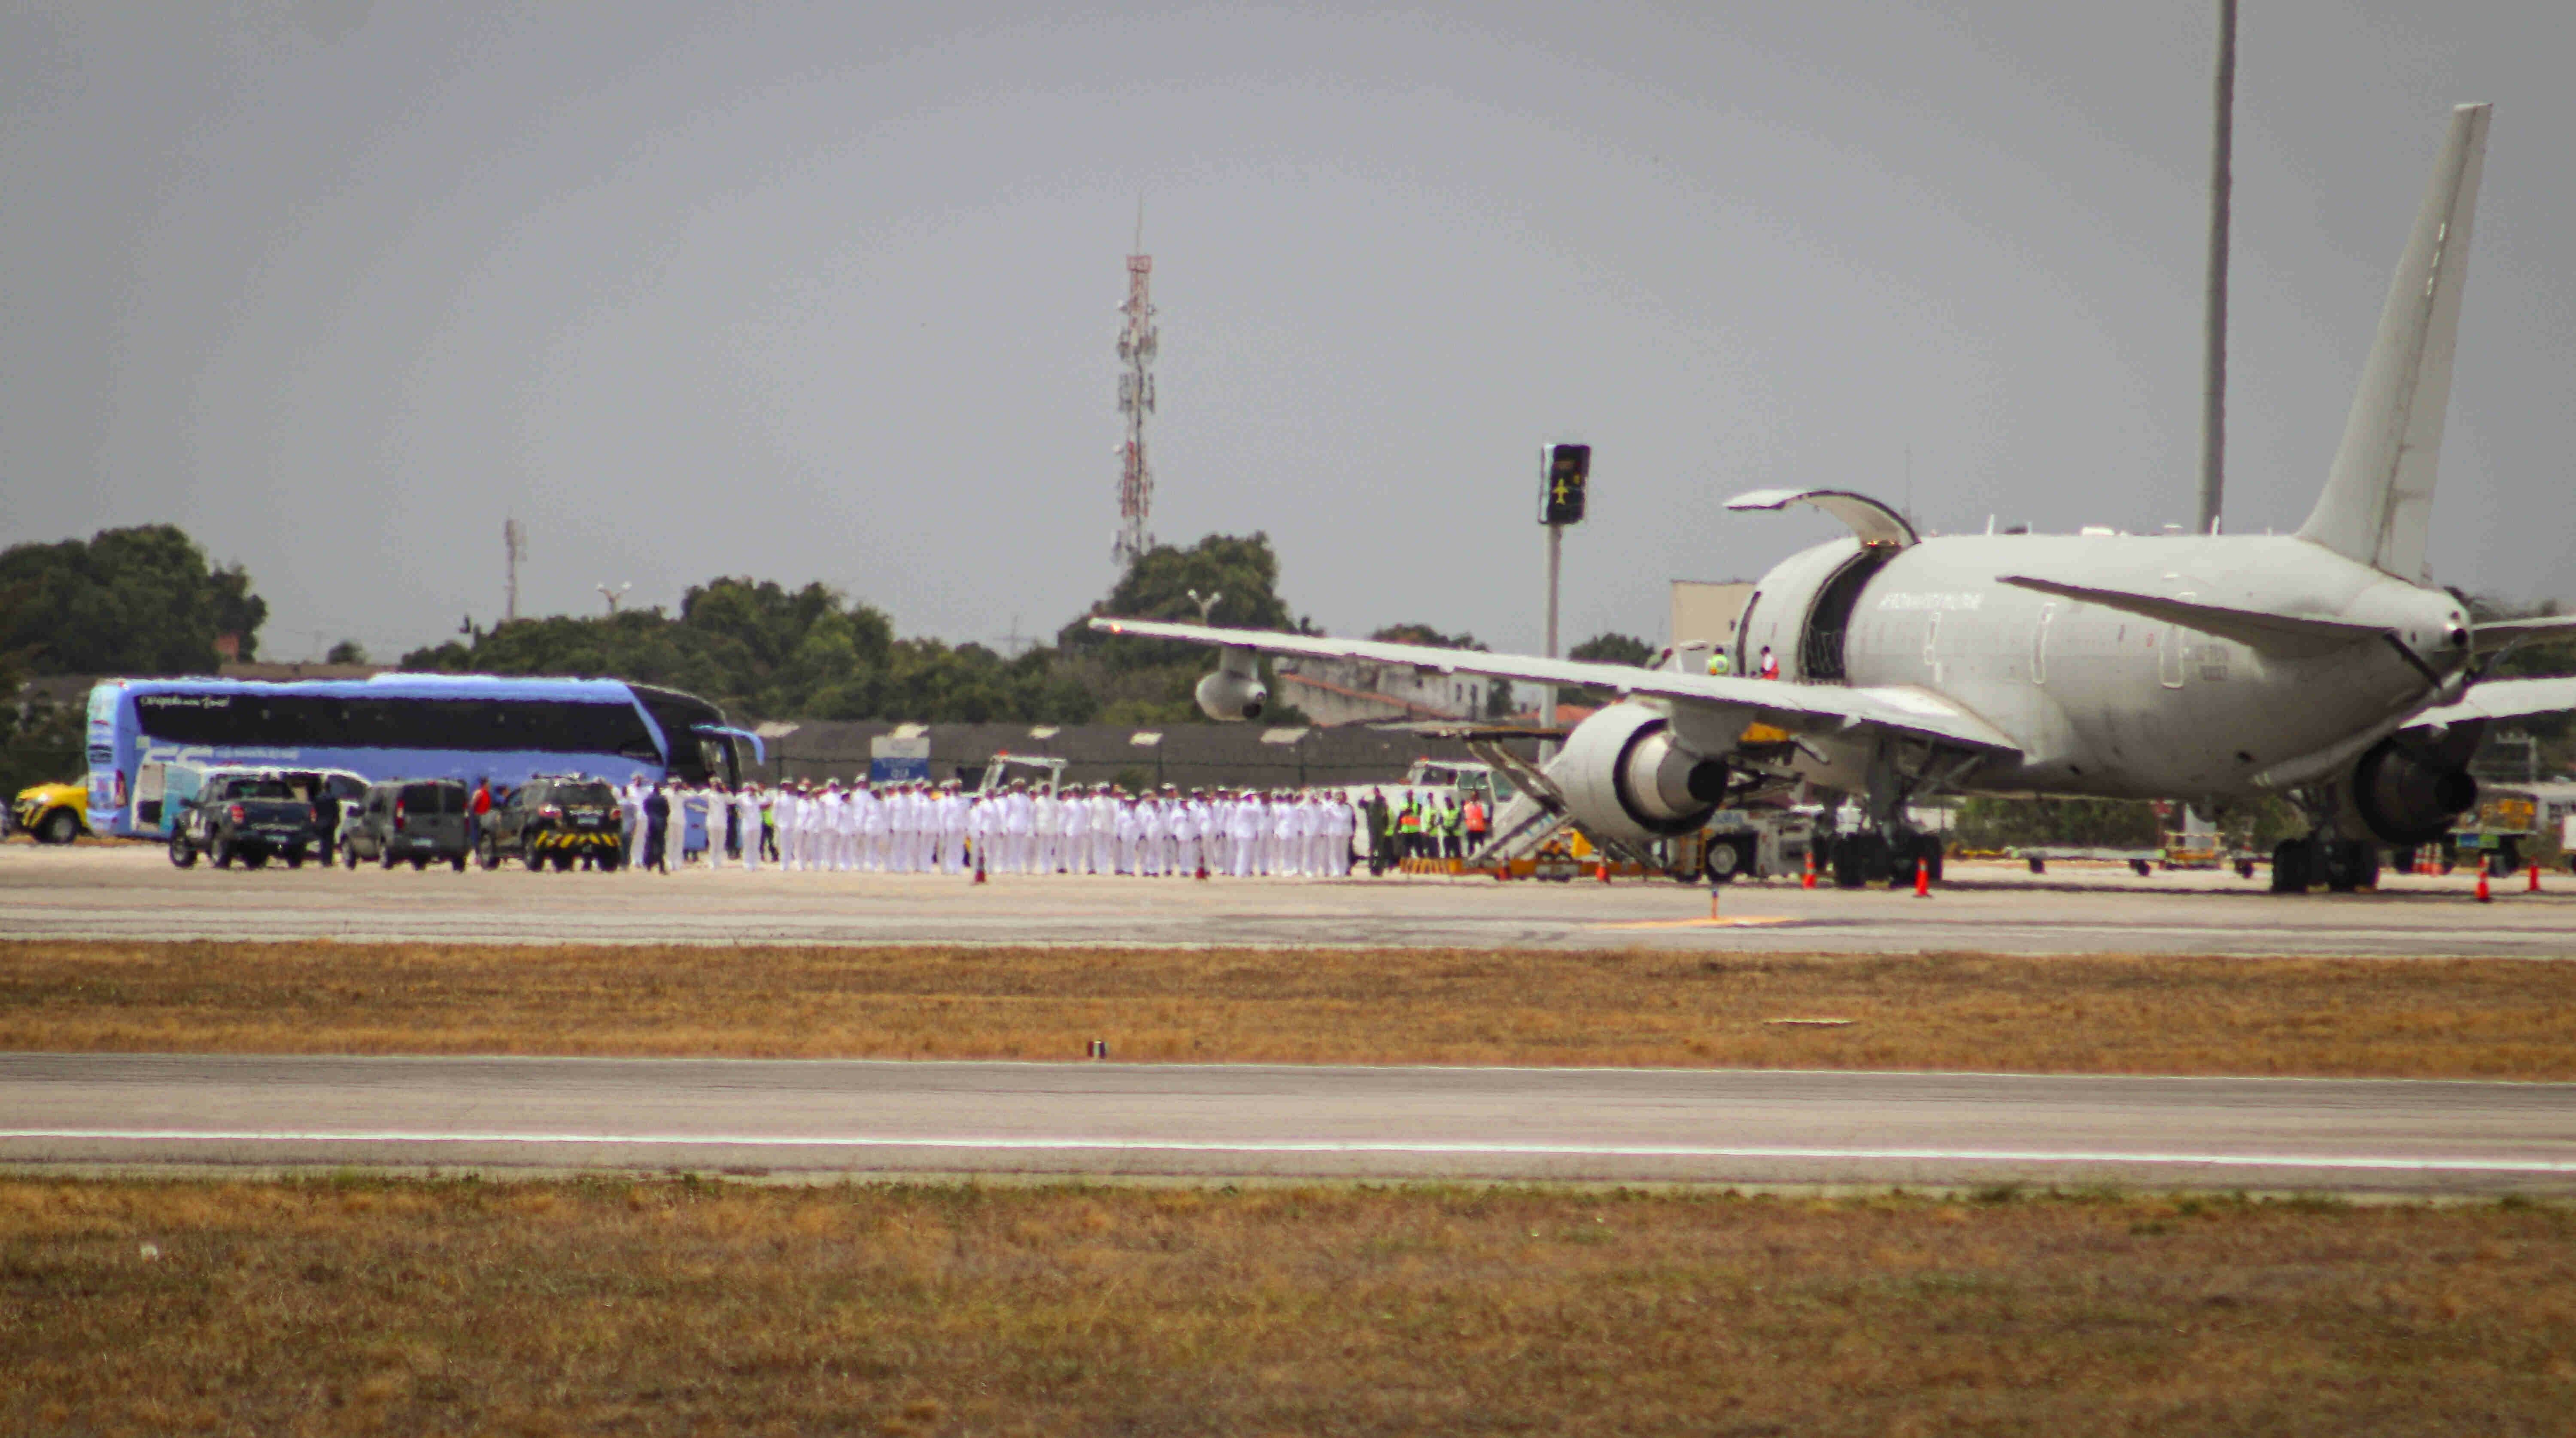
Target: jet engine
x=1626, y=778
x=1235, y=690
x=2409, y=794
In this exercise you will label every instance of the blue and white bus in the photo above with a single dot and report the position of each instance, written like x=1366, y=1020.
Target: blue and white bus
x=395, y=726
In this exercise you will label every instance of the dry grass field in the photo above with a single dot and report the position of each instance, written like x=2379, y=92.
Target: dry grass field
x=2500, y=1019
x=675, y=1307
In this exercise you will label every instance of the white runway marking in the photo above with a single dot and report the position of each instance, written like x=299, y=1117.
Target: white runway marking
x=2339, y=1162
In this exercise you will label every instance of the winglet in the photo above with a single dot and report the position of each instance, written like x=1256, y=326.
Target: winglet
x=2378, y=500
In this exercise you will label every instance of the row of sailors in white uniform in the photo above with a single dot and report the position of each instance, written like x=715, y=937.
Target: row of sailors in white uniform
x=917, y=827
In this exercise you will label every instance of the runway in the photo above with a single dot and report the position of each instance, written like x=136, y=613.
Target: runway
x=819, y=1120
x=131, y=891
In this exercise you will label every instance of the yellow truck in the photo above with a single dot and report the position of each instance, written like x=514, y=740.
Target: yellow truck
x=53, y=813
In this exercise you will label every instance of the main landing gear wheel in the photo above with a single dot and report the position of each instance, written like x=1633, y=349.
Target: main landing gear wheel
x=2295, y=866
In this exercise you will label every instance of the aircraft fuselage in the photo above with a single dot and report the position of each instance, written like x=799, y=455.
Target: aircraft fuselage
x=2103, y=701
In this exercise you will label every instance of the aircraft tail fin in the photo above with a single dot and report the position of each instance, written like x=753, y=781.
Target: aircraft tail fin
x=2378, y=500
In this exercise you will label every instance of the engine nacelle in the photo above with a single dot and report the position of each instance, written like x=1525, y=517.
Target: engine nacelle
x=1625, y=777
x=1235, y=690
x=2409, y=796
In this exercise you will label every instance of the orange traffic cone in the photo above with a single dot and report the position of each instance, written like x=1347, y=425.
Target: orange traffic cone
x=1922, y=880
x=2483, y=896
x=2535, y=876
x=1604, y=871
x=1809, y=881
x=979, y=863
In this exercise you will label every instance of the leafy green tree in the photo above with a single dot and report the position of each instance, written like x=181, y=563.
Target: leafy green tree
x=1424, y=634
x=127, y=601
x=1142, y=681
x=1241, y=574
x=39, y=742
x=347, y=651
x=1607, y=648
x=1614, y=648
x=765, y=651
x=1998, y=823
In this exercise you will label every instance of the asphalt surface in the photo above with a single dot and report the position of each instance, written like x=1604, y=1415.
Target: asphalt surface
x=131, y=891
x=824, y=1119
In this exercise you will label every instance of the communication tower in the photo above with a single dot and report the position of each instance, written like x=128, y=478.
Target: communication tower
x=514, y=545
x=1135, y=402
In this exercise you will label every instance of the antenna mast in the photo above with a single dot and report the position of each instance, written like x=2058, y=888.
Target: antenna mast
x=1135, y=401
x=514, y=545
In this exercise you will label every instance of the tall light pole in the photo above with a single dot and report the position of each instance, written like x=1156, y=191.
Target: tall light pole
x=613, y=595
x=1564, y=473
x=2213, y=396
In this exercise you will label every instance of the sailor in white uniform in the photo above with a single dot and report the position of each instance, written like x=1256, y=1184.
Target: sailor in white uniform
x=1102, y=858
x=746, y=817
x=1182, y=820
x=943, y=828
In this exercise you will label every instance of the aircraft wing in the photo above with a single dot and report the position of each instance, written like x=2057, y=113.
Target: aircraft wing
x=2503, y=699
x=2497, y=634
x=1797, y=708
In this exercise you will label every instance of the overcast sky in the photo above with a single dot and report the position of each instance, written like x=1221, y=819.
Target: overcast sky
x=829, y=292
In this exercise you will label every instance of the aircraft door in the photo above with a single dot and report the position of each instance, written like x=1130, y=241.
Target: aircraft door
x=2170, y=655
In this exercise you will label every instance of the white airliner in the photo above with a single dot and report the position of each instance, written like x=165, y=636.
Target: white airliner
x=2325, y=665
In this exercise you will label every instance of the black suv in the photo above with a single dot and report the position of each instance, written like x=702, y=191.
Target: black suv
x=561, y=820
x=249, y=817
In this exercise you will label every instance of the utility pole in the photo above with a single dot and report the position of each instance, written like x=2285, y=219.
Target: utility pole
x=2222, y=181
x=514, y=546
x=1136, y=343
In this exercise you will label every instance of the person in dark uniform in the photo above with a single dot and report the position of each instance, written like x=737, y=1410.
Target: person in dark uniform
x=657, y=829
x=1381, y=833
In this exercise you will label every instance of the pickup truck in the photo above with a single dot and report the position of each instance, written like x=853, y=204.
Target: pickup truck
x=249, y=817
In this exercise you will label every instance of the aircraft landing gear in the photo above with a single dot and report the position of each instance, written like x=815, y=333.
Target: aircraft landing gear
x=1873, y=857
x=2293, y=866
x=2342, y=865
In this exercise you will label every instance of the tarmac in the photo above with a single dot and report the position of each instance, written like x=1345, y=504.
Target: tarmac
x=819, y=1121
x=130, y=891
